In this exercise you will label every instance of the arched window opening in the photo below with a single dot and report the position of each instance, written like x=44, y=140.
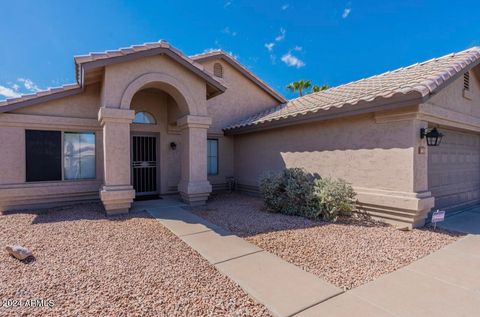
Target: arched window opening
x=143, y=117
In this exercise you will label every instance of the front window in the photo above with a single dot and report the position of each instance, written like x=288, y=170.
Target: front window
x=143, y=117
x=212, y=158
x=78, y=155
x=45, y=158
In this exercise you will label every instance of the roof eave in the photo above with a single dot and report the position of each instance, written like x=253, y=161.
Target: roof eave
x=41, y=99
x=362, y=107
x=216, y=85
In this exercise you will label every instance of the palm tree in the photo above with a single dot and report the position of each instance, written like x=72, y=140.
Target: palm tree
x=317, y=88
x=299, y=86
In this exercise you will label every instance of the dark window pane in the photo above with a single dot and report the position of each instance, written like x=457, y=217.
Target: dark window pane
x=212, y=156
x=43, y=155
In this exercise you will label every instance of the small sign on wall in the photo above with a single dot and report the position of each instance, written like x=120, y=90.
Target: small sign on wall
x=438, y=216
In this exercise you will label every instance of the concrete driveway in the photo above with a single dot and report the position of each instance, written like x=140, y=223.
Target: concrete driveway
x=466, y=221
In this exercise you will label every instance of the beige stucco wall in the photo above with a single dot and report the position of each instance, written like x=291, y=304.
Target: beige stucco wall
x=378, y=157
x=186, y=88
x=453, y=104
x=450, y=108
x=357, y=149
x=84, y=105
x=453, y=166
x=76, y=113
x=241, y=99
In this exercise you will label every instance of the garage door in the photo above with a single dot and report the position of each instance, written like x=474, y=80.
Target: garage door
x=454, y=169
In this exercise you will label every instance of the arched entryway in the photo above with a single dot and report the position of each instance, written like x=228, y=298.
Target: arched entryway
x=179, y=135
x=155, y=143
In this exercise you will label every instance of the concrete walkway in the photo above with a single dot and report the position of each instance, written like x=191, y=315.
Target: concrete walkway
x=283, y=288
x=445, y=283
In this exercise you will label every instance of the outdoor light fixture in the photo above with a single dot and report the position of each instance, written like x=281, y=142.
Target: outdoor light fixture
x=173, y=145
x=433, y=136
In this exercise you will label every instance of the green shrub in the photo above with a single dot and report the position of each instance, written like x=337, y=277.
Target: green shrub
x=272, y=190
x=335, y=197
x=295, y=192
x=298, y=192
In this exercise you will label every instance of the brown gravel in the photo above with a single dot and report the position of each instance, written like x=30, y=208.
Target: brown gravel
x=348, y=253
x=127, y=266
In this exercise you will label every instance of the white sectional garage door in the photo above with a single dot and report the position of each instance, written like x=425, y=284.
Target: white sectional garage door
x=454, y=169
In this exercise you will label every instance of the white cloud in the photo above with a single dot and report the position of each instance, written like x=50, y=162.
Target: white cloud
x=298, y=48
x=29, y=84
x=8, y=92
x=346, y=12
x=212, y=50
x=233, y=55
x=269, y=46
x=285, y=7
x=227, y=30
x=22, y=85
x=292, y=61
x=281, y=36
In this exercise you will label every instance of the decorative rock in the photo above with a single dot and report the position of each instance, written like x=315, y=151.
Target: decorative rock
x=19, y=252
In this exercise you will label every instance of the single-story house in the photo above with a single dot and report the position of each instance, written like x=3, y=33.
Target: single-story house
x=149, y=120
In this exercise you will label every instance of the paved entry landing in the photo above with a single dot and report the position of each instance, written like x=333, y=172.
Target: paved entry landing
x=283, y=288
x=466, y=221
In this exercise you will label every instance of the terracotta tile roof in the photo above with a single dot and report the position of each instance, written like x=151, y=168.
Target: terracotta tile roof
x=96, y=56
x=147, y=49
x=102, y=58
x=214, y=54
x=44, y=94
x=421, y=78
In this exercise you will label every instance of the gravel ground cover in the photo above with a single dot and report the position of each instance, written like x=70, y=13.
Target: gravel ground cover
x=89, y=265
x=348, y=253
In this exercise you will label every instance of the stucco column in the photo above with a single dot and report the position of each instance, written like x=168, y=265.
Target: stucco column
x=117, y=192
x=194, y=186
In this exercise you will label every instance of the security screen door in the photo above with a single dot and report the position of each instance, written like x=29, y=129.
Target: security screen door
x=144, y=165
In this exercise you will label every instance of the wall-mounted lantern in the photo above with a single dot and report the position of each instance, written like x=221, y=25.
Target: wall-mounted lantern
x=432, y=135
x=173, y=145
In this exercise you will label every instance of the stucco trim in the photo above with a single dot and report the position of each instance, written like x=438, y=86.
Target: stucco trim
x=447, y=117
x=190, y=121
x=115, y=115
x=240, y=68
x=181, y=93
x=22, y=120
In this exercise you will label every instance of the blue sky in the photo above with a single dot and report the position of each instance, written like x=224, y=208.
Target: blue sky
x=330, y=42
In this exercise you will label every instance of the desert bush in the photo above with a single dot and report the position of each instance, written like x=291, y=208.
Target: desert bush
x=298, y=194
x=335, y=197
x=272, y=189
x=293, y=191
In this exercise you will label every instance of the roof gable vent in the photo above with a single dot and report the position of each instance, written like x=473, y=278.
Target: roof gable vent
x=466, y=81
x=218, y=70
